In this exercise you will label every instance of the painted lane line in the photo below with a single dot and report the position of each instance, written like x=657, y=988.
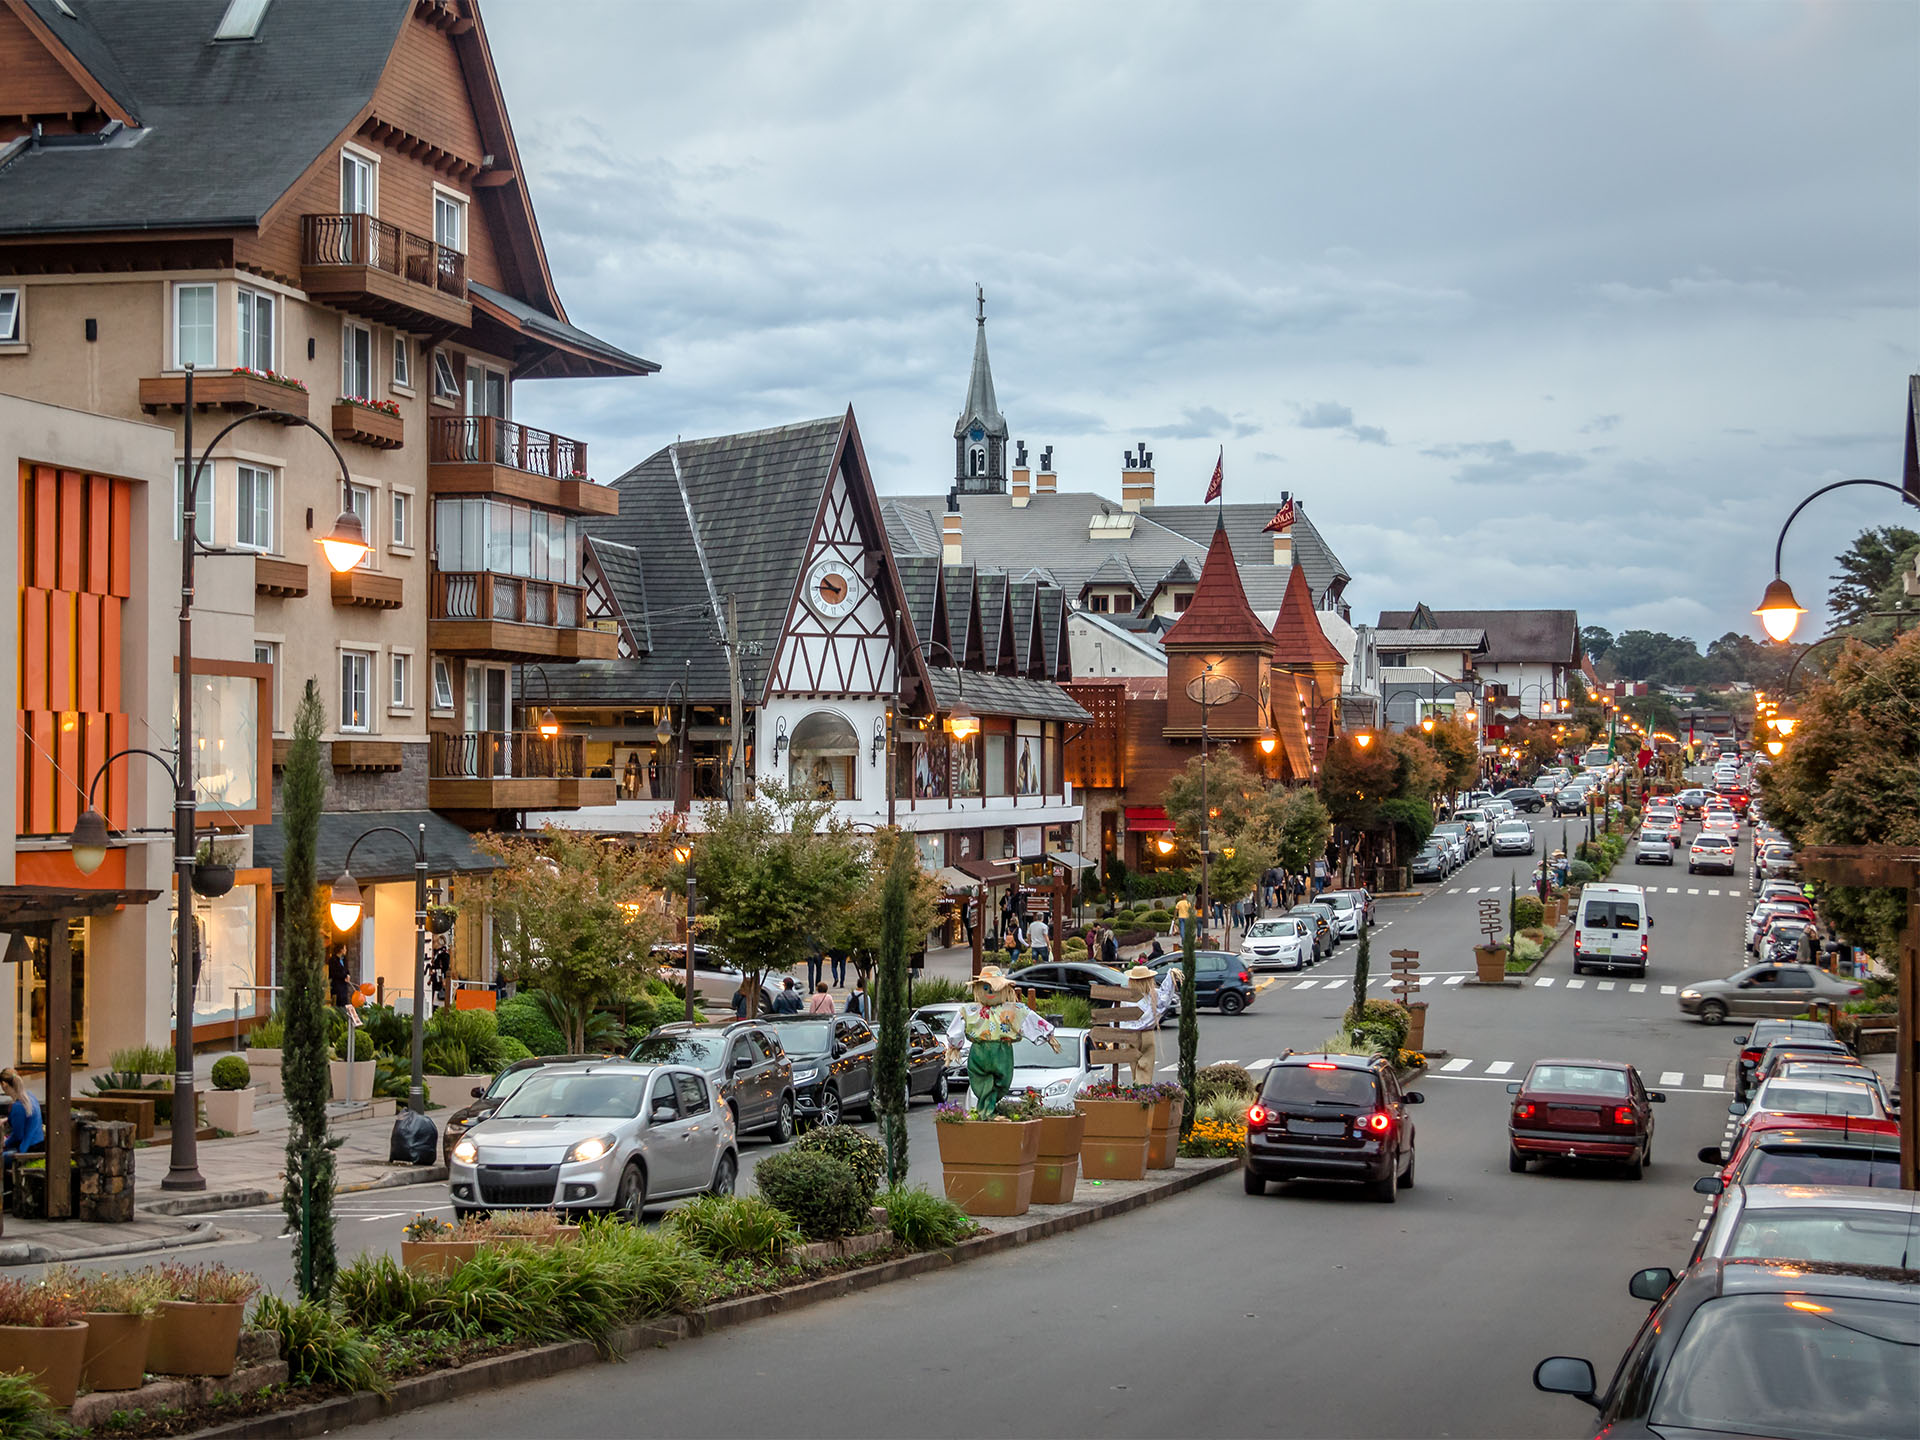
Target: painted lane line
x=1576, y=984
x=1454, y=891
x=389, y=1215
x=1694, y=891
x=1672, y=1077
x=1305, y=984
x=1266, y=1060
x=1669, y=989
x=1453, y=1067
x=1473, y=890
x=1673, y=889
x=1544, y=981
x=1456, y=979
x=1499, y=1067
x=1605, y=985
x=1714, y=1082
x=1636, y=989
x=1716, y=892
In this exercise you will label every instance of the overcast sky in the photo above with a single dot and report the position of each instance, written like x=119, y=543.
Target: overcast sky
x=1531, y=304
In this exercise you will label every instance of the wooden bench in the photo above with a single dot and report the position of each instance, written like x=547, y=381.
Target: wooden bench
x=139, y=1112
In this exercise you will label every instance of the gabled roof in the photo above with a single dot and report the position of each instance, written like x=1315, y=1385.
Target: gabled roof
x=920, y=580
x=1178, y=573
x=556, y=339
x=1021, y=596
x=910, y=529
x=1219, y=613
x=86, y=56
x=1297, y=636
x=993, y=617
x=620, y=567
x=1114, y=570
x=963, y=627
x=1053, y=607
x=1540, y=637
x=1005, y=695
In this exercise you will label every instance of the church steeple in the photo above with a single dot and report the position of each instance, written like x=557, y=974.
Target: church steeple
x=980, y=434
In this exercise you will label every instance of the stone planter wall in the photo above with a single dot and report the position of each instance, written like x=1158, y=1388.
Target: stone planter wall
x=103, y=1170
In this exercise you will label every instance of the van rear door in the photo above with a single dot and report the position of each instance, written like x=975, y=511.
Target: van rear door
x=1611, y=927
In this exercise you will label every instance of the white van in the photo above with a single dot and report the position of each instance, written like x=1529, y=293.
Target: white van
x=1610, y=932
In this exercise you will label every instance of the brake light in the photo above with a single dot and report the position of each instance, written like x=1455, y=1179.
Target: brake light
x=1523, y=1111
x=1643, y=945
x=1576, y=942
x=1623, y=1114
x=1379, y=1122
x=1245, y=979
x=1321, y=1065
x=1259, y=1115
x=1856, y=991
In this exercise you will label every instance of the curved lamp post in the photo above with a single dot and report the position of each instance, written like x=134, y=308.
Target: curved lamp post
x=1778, y=610
x=346, y=907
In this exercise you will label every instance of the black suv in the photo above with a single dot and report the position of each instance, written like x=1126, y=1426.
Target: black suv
x=832, y=1063
x=1331, y=1117
x=745, y=1062
x=1218, y=979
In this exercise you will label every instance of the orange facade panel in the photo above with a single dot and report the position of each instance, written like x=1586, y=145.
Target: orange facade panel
x=73, y=530
x=87, y=671
x=61, y=656
x=37, y=777
x=99, y=533
x=33, y=648
x=112, y=620
x=120, y=555
x=46, y=529
x=67, y=779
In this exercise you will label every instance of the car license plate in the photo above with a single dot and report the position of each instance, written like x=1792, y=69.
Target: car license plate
x=1316, y=1127
x=1574, y=1119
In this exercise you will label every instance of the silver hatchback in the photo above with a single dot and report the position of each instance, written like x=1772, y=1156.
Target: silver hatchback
x=614, y=1137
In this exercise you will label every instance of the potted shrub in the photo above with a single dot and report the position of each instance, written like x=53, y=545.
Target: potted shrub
x=1119, y=1121
x=433, y=1247
x=535, y=1227
x=41, y=1333
x=230, y=1102
x=118, y=1307
x=1163, y=1134
x=352, y=1081
x=213, y=869
x=1056, y=1166
x=1490, y=964
x=197, y=1330
x=987, y=1164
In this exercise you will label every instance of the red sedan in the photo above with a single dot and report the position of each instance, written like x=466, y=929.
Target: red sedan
x=1581, y=1110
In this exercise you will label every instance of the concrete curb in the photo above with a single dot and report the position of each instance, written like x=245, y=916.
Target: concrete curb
x=245, y=1199
x=201, y=1232
x=364, y=1407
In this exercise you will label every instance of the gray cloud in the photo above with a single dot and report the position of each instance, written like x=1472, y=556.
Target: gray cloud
x=1331, y=415
x=1498, y=462
x=1600, y=424
x=1201, y=423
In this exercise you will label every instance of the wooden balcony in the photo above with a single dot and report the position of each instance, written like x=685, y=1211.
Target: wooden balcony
x=364, y=425
x=512, y=770
x=485, y=455
x=384, y=273
x=502, y=617
x=286, y=579
x=365, y=588
x=235, y=390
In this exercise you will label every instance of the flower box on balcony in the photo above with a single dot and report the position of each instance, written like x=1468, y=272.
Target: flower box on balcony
x=240, y=390
x=376, y=423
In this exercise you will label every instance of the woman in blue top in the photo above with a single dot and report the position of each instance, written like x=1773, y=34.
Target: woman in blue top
x=26, y=1131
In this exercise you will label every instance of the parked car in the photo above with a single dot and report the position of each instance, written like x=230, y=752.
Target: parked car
x=1514, y=837
x=1783, y=1096
x=1524, y=797
x=1780, y=990
x=744, y=1062
x=1331, y=1117
x=1052, y=1076
x=832, y=1059
x=1285, y=942
x=1767, y=909
x=1430, y=863
x=1753, y=1347
x=1219, y=979
x=708, y=964
x=1838, y=1067
x=1825, y=1224
x=1351, y=910
x=1784, y=1048
x=607, y=1136
x=926, y=1061
x=939, y=1019
x=1457, y=842
x=1322, y=918
x=1581, y=1110
x=1480, y=822
x=1653, y=846
x=1610, y=931
x=488, y=1098
x=1066, y=977
x=1690, y=802
x=1779, y=942
x=1763, y=1034
x=1711, y=851
x=1807, y=1150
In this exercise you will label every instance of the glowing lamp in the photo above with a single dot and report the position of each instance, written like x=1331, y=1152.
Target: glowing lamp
x=344, y=905
x=1363, y=739
x=962, y=724
x=89, y=842
x=1774, y=747
x=1784, y=724
x=1426, y=724
x=346, y=544
x=1163, y=845
x=1779, y=612
x=549, y=724
x=1269, y=743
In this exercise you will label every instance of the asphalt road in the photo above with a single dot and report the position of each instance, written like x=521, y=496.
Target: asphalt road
x=1309, y=1311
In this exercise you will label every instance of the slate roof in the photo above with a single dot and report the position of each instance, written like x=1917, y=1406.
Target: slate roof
x=920, y=579
x=753, y=498
x=1297, y=636
x=1114, y=570
x=960, y=609
x=1513, y=636
x=1004, y=695
x=543, y=326
x=910, y=530
x=626, y=581
x=88, y=47
x=1253, y=547
x=1461, y=638
x=1219, y=613
x=993, y=613
x=450, y=850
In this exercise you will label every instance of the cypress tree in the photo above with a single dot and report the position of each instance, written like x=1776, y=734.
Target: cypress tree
x=1189, y=1024
x=308, y=1197
x=892, y=980
x=1362, y=963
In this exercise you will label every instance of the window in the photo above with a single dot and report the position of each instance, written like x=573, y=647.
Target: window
x=203, y=509
x=442, y=685
x=256, y=329
x=356, y=690
x=253, y=508
x=10, y=329
x=193, y=326
x=360, y=501
x=242, y=20
x=481, y=533
x=356, y=184
x=402, y=364
x=1182, y=599
x=450, y=221
x=1097, y=604
x=445, y=385
x=356, y=362
x=401, y=537
x=400, y=694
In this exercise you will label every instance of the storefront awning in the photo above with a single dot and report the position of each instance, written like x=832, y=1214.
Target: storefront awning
x=988, y=872
x=1147, y=818
x=1068, y=860
x=954, y=879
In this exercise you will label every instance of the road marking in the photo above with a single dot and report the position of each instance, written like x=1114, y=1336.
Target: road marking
x=1716, y=892
x=1263, y=984
x=388, y=1215
x=1453, y=1066
x=1544, y=982
x=1305, y=984
x=1576, y=984
x=1671, y=1077
x=1669, y=989
x=1604, y=985
x=1500, y=1067
x=1714, y=1082
x=1636, y=989
x=1454, y=891
x=1267, y=1060
x=1694, y=890
x=1673, y=889
x=1473, y=890
x=1456, y=979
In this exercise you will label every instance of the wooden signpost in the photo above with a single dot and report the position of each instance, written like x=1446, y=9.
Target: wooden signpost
x=1110, y=1043
x=1405, y=982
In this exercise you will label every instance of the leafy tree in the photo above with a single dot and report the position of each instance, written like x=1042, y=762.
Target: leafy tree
x=890, y=1055
x=1850, y=775
x=1458, y=752
x=1304, y=827
x=1235, y=795
x=1867, y=568
x=306, y=1045
x=1387, y=786
x=1596, y=642
x=858, y=926
x=1655, y=656
x=575, y=917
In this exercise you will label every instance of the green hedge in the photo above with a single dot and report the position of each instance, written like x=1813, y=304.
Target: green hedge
x=821, y=1193
x=523, y=1019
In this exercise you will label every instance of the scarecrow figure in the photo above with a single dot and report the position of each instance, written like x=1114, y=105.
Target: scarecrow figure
x=991, y=1022
x=1153, y=1001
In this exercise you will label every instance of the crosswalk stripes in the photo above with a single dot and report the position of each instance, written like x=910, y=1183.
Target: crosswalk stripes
x=1637, y=989
x=1305, y=984
x=1499, y=1067
x=1669, y=989
x=1454, y=1066
x=1671, y=1077
x=1460, y=1067
x=1543, y=982
x=1456, y=979
x=1604, y=985
x=1473, y=890
x=1576, y=984
x=1716, y=1082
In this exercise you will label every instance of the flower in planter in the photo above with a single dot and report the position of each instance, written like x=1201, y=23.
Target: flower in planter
x=40, y=1304
x=273, y=377
x=385, y=407
x=952, y=1112
x=210, y=1284
x=424, y=1229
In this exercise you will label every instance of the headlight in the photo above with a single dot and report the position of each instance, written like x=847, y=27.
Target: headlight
x=1689, y=994
x=465, y=1152
x=587, y=1151
x=806, y=1077
x=1058, y=1087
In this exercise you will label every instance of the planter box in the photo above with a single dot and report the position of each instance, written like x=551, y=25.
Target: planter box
x=1163, y=1139
x=437, y=1257
x=1553, y=914
x=988, y=1164
x=194, y=1339
x=1490, y=963
x=453, y=1091
x=367, y=427
x=231, y=1110
x=362, y=1079
x=51, y=1355
x=1114, y=1146
x=1056, y=1167
x=1417, y=1026
x=116, y=1357
x=265, y=1065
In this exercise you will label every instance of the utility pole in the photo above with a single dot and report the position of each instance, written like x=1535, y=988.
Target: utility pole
x=737, y=773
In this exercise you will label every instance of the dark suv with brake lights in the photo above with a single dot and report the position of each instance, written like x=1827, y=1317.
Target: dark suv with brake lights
x=1331, y=1117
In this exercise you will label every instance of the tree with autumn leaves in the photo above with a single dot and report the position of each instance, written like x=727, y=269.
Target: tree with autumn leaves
x=1253, y=823
x=1383, y=788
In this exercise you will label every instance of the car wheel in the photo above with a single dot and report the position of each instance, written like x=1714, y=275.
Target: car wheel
x=724, y=1175
x=782, y=1129
x=1255, y=1185
x=1635, y=1168
x=1516, y=1162
x=630, y=1200
x=1231, y=1003
x=1646, y=1153
x=829, y=1107
x=1386, y=1191
x=1712, y=1013
x=1406, y=1180
x=940, y=1088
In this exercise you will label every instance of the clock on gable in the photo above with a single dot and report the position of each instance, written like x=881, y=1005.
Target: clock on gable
x=976, y=434
x=833, y=587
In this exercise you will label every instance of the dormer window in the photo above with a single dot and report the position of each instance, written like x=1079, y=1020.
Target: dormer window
x=242, y=20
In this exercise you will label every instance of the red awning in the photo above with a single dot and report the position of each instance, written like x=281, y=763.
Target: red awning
x=1147, y=818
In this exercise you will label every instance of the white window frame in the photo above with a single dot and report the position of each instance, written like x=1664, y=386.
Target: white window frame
x=400, y=513
x=446, y=384
x=181, y=288
x=364, y=501
x=266, y=651
x=248, y=301
x=348, y=655
x=348, y=330
x=13, y=316
x=400, y=680
x=442, y=686
x=371, y=163
x=462, y=205
x=203, y=514
x=402, y=365
x=247, y=513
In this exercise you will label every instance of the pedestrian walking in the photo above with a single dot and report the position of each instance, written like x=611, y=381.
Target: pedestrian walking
x=1109, y=948
x=816, y=962
x=839, y=958
x=1319, y=875
x=787, y=1001
x=821, y=1001
x=1040, y=939
x=858, y=1003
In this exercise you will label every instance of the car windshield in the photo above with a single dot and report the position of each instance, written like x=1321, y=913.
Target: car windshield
x=1879, y=1169
x=508, y=1081
x=1450, y=828
x=1793, y=1365
x=1579, y=1080
x=1338, y=901
x=1713, y=842
x=1271, y=929
x=1038, y=1055
x=1515, y=827
x=1473, y=814
x=1611, y=914
x=1299, y=1085
x=1826, y=1100
x=807, y=1037
x=568, y=1094
x=701, y=1050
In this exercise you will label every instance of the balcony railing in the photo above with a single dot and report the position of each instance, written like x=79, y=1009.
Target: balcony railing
x=487, y=439
x=506, y=755
x=507, y=599
x=361, y=240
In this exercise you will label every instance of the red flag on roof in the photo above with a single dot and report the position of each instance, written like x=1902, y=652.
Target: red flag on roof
x=1282, y=519
x=1219, y=474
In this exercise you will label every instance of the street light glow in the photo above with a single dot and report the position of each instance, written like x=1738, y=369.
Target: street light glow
x=1779, y=612
x=346, y=544
x=345, y=905
x=1363, y=739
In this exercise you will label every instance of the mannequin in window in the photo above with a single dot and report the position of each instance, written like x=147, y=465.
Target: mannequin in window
x=1026, y=781
x=821, y=778
x=631, y=779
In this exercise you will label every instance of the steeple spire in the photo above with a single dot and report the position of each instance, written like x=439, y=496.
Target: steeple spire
x=980, y=434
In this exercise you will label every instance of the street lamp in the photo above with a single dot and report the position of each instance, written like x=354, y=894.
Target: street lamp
x=683, y=855
x=1269, y=742
x=346, y=544
x=961, y=723
x=548, y=725
x=1363, y=738
x=345, y=906
x=1779, y=612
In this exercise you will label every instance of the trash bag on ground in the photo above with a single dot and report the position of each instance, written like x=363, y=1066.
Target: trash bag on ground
x=414, y=1140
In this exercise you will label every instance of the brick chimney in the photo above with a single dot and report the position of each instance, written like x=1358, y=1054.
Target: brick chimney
x=1282, y=541
x=1136, y=479
x=950, y=530
x=1046, y=482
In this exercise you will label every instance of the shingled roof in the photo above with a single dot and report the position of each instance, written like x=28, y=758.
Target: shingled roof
x=1297, y=637
x=1219, y=613
x=1513, y=636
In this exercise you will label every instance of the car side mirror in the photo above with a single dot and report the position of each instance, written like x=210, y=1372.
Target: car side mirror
x=1414, y=1097
x=1513, y=1087
x=664, y=1114
x=1657, y=1097
x=1738, y=1107
x=1650, y=1284
x=1566, y=1375
x=479, y=1092
x=839, y=1048
x=1709, y=1184
x=1712, y=1155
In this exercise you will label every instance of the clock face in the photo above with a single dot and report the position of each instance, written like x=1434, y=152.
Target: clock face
x=833, y=588
x=976, y=434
